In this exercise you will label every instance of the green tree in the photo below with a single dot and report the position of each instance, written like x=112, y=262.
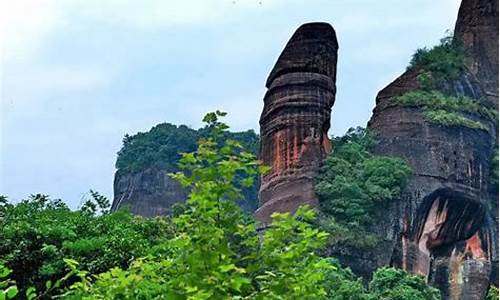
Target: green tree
x=446, y=61
x=39, y=233
x=353, y=183
x=396, y=284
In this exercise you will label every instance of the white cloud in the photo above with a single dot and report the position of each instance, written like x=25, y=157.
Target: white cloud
x=159, y=13
x=58, y=79
x=23, y=26
x=32, y=90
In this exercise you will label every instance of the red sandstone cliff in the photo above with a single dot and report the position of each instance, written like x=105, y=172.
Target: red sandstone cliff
x=296, y=118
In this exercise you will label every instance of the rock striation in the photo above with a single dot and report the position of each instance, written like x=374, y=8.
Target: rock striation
x=141, y=181
x=477, y=29
x=446, y=225
x=148, y=193
x=296, y=117
x=151, y=192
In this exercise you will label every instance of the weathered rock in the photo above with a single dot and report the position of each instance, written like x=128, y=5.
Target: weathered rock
x=148, y=193
x=477, y=29
x=296, y=119
x=152, y=192
x=146, y=158
x=444, y=227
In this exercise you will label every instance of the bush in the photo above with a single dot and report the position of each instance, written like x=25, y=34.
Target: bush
x=492, y=293
x=8, y=289
x=435, y=100
x=396, y=284
x=353, y=183
x=437, y=68
x=445, y=118
x=445, y=61
x=445, y=110
x=39, y=233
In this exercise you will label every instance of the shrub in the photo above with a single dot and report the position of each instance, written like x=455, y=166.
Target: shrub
x=445, y=61
x=445, y=118
x=39, y=233
x=396, y=284
x=435, y=100
x=492, y=293
x=352, y=183
x=437, y=68
x=444, y=110
x=8, y=289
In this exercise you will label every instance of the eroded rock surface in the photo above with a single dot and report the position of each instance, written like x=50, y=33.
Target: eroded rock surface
x=446, y=225
x=152, y=192
x=477, y=29
x=147, y=193
x=296, y=118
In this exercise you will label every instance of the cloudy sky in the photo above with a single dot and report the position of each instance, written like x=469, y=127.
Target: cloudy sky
x=75, y=76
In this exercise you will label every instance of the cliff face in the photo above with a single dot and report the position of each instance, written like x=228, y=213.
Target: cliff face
x=296, y=119
x=477, y=29
x=145, y=159
x=152, y=192
x=148, y=193
x=445, y=227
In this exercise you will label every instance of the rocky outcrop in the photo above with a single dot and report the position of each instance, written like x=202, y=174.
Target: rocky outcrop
x=296, y=118
x=146, y=158
x=147, y=193
x=152, y=192
x=444, y=227
x=477, y=29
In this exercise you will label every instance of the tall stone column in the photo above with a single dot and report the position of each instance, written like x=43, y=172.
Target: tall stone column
x=296, y=118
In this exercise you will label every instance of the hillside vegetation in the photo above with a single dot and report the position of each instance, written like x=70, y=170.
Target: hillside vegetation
x=208, y=250
x=439, y=68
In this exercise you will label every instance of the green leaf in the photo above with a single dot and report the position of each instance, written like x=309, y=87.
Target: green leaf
x=48, y=284
x=12, y=292
x=227, y=268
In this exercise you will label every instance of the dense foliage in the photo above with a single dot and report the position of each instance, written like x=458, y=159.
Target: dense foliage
x=216, y=252
x=38, y=233
x=161, y=147
x=396, y=284
x=353, y=184
x=208, y=250
x=492, y=293
x=445, y=118
x=437, y=68
x=445, y=61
